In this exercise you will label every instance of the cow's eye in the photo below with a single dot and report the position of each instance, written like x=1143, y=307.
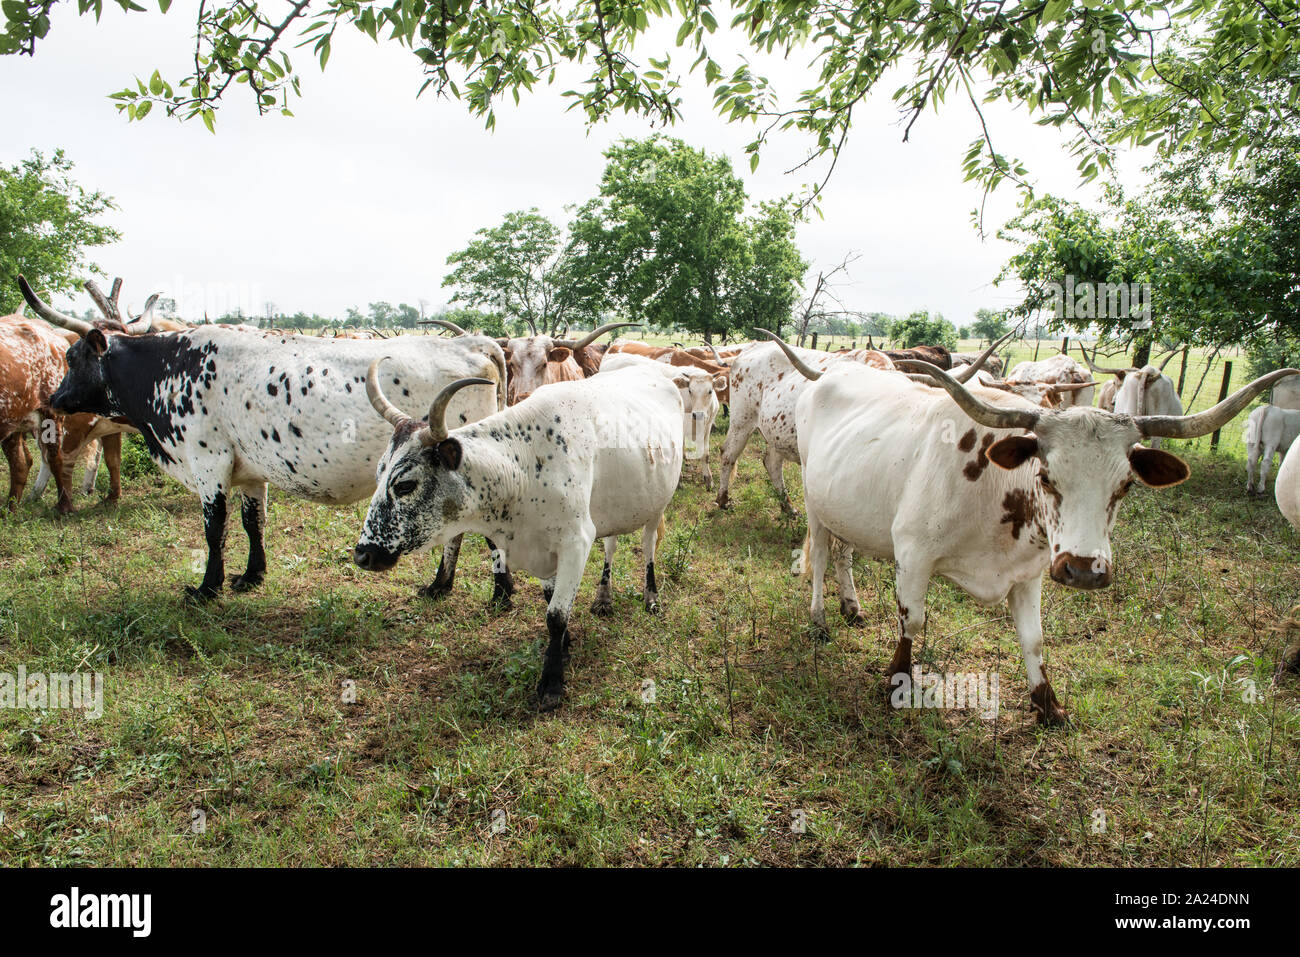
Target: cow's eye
x=404, y=488
x=1045, y=481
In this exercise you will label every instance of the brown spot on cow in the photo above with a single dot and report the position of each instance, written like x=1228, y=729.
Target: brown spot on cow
x=967, y=441
x=1019, y=511
x=974, y=470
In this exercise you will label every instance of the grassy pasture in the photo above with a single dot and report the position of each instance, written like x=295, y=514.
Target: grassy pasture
x=238, y=709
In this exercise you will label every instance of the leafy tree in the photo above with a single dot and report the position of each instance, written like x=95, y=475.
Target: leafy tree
x=922, y=329
x=667, y=240
x=521, y=270
x=988, y=324
x=1216, y=72
x=47, y=222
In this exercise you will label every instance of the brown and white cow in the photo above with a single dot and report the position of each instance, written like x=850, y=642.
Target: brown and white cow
x=901, y=471
x=1060, y=369
x=538, y=360
x=33, y=361
x=679, y=358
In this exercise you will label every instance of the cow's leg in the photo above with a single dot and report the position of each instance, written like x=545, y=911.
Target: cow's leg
x=214, y=532
x=20, y=463
x=503, y=583
x=42, y=478
x=773, y=459
x=818, y=545
x=911, y=581
x=604, y=603
x=446, y=574
x=739, y=429
x=649, y=543
x=1252, y=459
x=1265, y=463
x=1024, y=601
x=113, y=459
x=568, y=576
x=50, y=438
x=842, y=555
x=252, y=512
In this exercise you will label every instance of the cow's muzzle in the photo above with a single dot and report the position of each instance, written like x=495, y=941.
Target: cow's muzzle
x=1079, y=572
x=373, y=558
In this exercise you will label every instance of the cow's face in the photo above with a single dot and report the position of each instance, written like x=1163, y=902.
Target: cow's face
x=699, y=392
x=85, y=387
x=419, y=492
x=1131, y=396
x=1084, y=463
x=526, y=360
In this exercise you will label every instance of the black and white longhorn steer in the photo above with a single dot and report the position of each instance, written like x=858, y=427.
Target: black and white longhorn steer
x=574, y=462
x=223, y=408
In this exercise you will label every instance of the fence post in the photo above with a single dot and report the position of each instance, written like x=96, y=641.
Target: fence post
x=814, y=340
x=1182, y=371
x=1065, y=344
x=1223, y=394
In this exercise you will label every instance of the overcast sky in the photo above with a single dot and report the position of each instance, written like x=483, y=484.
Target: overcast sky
x=366, y=190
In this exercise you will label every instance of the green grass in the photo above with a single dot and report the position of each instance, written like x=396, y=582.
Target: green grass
x=238, y=709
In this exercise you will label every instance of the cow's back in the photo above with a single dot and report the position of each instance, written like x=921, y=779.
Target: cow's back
x=33, y=361
x=293, y=409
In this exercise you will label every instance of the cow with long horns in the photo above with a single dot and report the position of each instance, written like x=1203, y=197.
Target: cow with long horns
x=545, y=478
x=223, y=408
x=901, y=470
x=538, y=360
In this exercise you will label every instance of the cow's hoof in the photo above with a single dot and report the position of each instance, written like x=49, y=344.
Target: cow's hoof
x=1053, y=717
x=201, y=595
x=819, y=633
x=652, y=605
x=435, y=590
x=64, y=508
x=243, y=583
x=549, y=696
x=500, y=601
x=724, y=500
x=852, y=613
x=602, y=607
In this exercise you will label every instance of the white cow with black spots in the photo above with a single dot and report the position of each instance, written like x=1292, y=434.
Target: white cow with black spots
x=222, y=408
x=576, y=461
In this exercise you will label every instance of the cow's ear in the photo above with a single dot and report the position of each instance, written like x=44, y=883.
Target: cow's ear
x=449, y=453
x=1013, y=451
x=559, y=354
x=1156, y=467
x=682, y=381
x=98, y=341
x=719, y=383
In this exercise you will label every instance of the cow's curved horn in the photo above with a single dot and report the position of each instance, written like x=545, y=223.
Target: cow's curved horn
x=436, y=430
x=49, y=313
x=391, y=413
x=716, y=357
x=965, y=374
x=143, y=322
x=448, y=325
x=806, y=370
x=592, y=336
x=995, y=417
x=1096, y=369
x=1190, y=426
x=1068, y=386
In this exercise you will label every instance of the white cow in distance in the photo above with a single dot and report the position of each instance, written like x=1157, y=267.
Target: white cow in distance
x=1269, y=430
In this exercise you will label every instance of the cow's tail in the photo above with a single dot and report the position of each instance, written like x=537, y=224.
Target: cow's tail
x=801, y=567
x=659, y=537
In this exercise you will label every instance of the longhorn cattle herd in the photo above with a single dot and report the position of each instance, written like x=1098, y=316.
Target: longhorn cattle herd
x=542, y=445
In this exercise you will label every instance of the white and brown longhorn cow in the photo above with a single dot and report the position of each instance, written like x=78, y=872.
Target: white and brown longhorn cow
x=538, y=360
x=1060, y=369
x=901, y=470
x=222, y=408
x=577, y=461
